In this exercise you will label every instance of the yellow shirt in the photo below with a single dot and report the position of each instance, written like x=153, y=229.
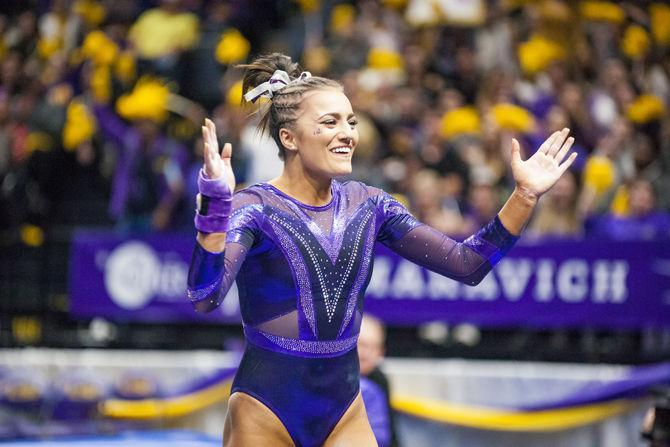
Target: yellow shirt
x=157, y=33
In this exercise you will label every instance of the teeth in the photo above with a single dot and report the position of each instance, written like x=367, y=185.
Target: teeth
x=341, y=150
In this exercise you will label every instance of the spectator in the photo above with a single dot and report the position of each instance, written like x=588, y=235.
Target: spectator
x=149, y=177
x=643, y=221
x=557, y=212
x=374, y=384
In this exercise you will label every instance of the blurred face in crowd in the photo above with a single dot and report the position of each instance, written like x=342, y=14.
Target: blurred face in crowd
x=483, y=200
x=563, y=194
x=325, y=134
x=556, y=119
x=370, y=344
x=641, y=198
x=148, y=129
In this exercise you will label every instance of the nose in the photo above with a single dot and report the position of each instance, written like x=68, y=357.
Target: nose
x=346, y=133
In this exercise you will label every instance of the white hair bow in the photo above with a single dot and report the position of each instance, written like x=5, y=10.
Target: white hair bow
x=278, y=81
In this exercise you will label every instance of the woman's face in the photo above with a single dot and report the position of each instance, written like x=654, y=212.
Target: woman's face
x=325, y=134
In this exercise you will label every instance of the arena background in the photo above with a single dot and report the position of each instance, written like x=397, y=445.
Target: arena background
x=564, y=344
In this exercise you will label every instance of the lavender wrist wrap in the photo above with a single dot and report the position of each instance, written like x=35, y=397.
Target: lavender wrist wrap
x=215, y=204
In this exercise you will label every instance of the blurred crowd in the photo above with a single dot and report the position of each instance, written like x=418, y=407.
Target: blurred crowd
x=101, y=103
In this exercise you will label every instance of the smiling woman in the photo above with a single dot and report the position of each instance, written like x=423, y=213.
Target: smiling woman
x=300, y=248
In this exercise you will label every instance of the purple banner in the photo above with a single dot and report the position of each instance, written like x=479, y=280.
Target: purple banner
x=599, y=284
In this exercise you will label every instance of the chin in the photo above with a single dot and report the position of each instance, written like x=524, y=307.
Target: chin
x=342, y=171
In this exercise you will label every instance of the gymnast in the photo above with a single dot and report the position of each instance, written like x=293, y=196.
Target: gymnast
x=301, y=249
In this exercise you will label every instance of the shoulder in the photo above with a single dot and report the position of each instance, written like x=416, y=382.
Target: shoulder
x=248, y=206
x=360, y=189
x=252, y=192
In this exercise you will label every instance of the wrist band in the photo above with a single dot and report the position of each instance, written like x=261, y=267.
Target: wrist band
x=214, y=205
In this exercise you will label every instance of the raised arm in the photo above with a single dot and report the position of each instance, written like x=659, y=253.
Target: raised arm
x=469, y=261
x=112, y=125
x=534, y=177
x=214, y=264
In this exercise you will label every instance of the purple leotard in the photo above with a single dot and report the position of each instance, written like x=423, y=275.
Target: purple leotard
x=301, y=273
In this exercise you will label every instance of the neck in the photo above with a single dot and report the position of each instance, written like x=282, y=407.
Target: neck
x=302, y=185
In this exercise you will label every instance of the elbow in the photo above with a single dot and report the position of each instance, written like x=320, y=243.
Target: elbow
x=476, y=277
x=205, y=306
x=473, y=280
x=203, y=302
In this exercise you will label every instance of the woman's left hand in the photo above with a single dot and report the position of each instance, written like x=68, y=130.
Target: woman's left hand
x=539, y=173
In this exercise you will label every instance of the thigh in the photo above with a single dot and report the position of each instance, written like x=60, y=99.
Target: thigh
x=250, y=423
x=353, y=428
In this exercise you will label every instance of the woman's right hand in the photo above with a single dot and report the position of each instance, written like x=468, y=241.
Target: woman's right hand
x=217, y=165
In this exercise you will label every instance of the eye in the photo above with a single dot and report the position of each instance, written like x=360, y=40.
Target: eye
x=353, y=123
x=329, y=122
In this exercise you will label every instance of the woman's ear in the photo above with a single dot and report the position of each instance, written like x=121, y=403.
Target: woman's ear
x=287, y=139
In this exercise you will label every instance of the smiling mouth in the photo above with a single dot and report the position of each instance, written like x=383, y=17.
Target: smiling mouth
x=342, y=150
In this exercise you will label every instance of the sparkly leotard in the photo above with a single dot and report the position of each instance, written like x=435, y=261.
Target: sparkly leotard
x=301, y=274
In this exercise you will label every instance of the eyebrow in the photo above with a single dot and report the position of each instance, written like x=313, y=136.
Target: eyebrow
x=335, y=115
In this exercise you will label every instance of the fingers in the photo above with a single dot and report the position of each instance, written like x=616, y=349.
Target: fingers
x=557, y=142
x=567, y=163
x=226, y=153
x=213, y=141
x=564, y=149
x=548, y=142
x=516, y=152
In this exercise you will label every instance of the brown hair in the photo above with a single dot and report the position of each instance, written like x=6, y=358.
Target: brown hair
x=283, y=109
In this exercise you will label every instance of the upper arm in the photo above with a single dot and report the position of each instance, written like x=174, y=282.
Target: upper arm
x=394, y=219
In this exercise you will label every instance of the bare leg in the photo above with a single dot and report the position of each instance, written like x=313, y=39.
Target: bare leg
x=249, y=423
x=353, y=428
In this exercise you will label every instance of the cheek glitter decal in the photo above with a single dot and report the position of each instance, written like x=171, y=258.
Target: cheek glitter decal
x=317, y=131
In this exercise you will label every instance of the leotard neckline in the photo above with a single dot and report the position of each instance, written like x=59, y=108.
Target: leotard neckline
x=279, y=192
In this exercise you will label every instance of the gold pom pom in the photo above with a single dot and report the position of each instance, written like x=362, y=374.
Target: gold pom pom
x=92, y=12
x=80, y=125
x=148, y=100
x=512, y=117
x=342, y=18
x=234, y=95
x=125, y=67
x=635, y=43
x=598, y=173
x=602, y=12
x=645, y=108
x=99, y=48
x=32, y=235
x=383, y=59
x=659, y=14
x=460, y=121
x=538, y=53
x=232, y=47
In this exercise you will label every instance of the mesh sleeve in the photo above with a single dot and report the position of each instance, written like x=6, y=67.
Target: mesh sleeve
x=211, y=275
x=468, y=261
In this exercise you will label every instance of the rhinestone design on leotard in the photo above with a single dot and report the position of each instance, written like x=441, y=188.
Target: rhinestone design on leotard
x=300, y=273
x=313, y=347
x=311, y=245
x=361, y=277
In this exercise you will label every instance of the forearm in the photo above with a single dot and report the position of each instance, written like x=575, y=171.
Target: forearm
x=467, y=262
x=205, y=285
x=212, y=242
x=517, y=211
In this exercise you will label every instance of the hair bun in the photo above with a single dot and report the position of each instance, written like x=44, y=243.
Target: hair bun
x=262, y=68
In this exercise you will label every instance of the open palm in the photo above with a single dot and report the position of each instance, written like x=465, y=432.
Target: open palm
x=539, y=173
x=217, y=165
